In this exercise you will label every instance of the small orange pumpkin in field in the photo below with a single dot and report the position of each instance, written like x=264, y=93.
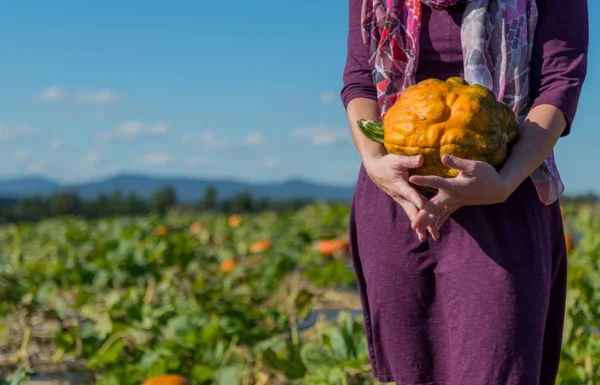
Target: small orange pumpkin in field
x=234, y=220
x=227, y=265
x=260, y=246
x=196, y=228
x=167, y=379
x=332, y=246
x=162, y=230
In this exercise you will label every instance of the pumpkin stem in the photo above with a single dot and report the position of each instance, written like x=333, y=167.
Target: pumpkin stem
x=372, y=129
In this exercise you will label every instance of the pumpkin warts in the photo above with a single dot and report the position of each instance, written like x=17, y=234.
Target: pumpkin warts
x=435, y=117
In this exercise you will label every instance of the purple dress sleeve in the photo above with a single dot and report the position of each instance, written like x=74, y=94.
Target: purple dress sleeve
x=358, y=80
x=559, y=58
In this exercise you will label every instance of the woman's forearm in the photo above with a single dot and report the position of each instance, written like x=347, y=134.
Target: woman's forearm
x=537, y=136
x=364, y=108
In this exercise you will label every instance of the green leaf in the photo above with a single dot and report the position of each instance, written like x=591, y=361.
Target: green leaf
x=568, y=328
x=104, y=325
x=202, y=373
x=228, y=375
x=302, y=301
x=339, y=344
x=109, y=356
x=210, y=332
x=112, y=298
x=335, y=375
x=64, y=340
x=101, y=279
x=315, y=355
x=159, y=361
x=292, y=366
x=21, y=377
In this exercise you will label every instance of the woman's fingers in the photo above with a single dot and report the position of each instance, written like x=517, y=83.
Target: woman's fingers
x=411, y=211
x=403, y=163
x=434, y=231
x=436, y=182
x=440, y=205
x=405, y=191
x=428, y=212
x=467, y=166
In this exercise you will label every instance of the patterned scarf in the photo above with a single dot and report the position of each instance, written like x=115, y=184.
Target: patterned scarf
x=497, y=40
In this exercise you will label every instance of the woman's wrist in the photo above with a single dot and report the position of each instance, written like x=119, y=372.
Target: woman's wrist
x=364, y=108
x=371, y=156
x=369, y=153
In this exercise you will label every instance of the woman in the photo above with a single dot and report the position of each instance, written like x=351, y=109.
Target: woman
x=466, y=286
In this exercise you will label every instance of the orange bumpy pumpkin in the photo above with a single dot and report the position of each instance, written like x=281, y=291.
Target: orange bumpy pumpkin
x=435, y=117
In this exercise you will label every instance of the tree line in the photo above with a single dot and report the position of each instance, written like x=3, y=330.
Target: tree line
x=35, y=208
x=117, y=204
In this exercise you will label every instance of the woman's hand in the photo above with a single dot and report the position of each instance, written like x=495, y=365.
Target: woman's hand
x=390, y=173
x=478, y=183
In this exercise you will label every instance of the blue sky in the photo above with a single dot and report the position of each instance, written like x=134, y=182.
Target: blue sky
x=240, y=89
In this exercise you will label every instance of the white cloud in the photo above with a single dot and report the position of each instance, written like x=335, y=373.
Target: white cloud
x=51, y=94
x=255, y=139
x=208, y=139
x=321, y=135
x=194, y=161
x=104, y=96
x=21, y=154
x=270, y=162
x=35, y=167
x=54, y=94
x=155, y=159
x=91, y=157
x=8, y=133
x=55, y=143
x=134, y=128
x=159, y=129
x=327, y=97
x=130, y=128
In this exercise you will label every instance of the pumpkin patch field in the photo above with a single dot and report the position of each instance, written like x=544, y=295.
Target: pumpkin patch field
x=198, y=299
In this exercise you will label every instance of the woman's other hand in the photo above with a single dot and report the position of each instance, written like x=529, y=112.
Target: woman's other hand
x=390, y=173
x=478, y=183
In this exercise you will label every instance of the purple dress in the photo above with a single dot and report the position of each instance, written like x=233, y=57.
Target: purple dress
x=485, y=303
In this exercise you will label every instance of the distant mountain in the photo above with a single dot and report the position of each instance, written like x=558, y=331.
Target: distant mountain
x=187, y=189
x=27, y=186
